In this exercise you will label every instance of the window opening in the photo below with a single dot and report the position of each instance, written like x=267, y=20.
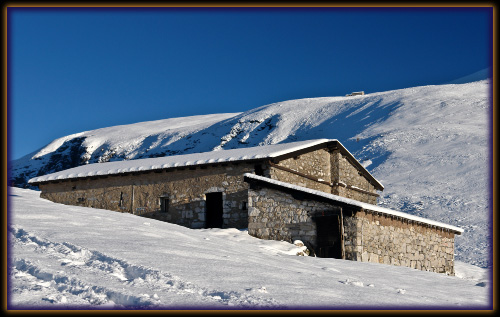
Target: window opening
x=121, y=199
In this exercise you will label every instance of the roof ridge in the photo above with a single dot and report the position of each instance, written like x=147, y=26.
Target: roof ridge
x=182, y=160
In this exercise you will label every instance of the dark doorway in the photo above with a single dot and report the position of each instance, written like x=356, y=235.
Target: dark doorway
x=213, y=216
x=328, y=242
x=259, y=171
x=164, y=204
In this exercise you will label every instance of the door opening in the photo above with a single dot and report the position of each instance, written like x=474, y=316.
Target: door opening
x=328, y=237
x=213, y=216
x=164, y=204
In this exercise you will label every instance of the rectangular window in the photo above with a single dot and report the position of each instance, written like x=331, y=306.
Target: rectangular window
x=121, y=200
x=244, y=205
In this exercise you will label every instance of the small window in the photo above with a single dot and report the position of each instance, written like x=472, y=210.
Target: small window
x=244, y=205
x=121, y=199
x=164, y=202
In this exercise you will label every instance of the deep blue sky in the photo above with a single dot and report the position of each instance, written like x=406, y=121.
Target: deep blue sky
x=75, y=69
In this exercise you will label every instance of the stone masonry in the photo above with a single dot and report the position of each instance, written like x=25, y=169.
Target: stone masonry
x=347, y=178
x=384, y=239
x=367, y=236
x=275, y=215
x=315, y=164
x=140, y=194
x=329, y=171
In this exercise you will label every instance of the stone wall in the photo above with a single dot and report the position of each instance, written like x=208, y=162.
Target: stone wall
x=140, y=193
x=383, y=239
x=335, y=173
x=315, y=164
x=346, y=174
x=277, y=215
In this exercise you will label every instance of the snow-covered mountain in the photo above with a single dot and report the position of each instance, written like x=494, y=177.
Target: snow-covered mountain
x=479, y=75
x=428, y=145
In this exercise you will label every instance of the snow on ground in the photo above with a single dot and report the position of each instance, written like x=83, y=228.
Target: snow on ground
x=76, y=257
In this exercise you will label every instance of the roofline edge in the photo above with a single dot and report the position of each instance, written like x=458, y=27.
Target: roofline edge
x=352, y=202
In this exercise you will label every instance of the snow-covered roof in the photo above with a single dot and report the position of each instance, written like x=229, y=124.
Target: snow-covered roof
x=352, y=202
x=213, y=157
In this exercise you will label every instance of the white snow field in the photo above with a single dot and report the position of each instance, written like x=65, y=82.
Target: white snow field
x=69, y=257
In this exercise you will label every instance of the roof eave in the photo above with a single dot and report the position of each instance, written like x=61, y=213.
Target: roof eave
x=263, y=180
x=156, y=170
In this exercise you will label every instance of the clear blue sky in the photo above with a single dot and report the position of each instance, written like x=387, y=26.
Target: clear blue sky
x=76, y=69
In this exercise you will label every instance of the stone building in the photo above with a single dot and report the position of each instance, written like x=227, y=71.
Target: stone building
x=216, y=190
x=207, y=189
x=343, y=228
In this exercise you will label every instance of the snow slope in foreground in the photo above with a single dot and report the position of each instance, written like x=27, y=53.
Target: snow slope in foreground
x=76, y=257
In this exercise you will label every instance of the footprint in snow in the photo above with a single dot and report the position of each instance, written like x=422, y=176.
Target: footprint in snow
x=53, y=299
x=330, y=269
x=43, y=284
x=355, y=283
x=260, y=289
x=68, y=262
